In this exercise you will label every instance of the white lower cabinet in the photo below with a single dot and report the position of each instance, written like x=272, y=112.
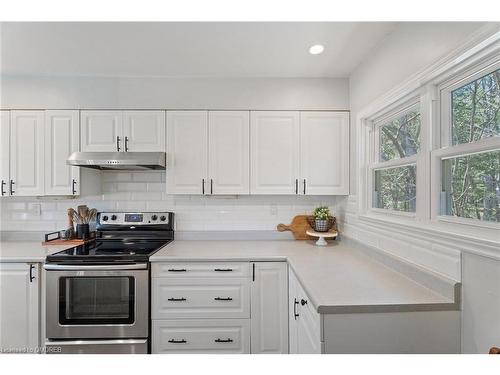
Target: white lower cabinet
x=19, y=307
x=269, y=323
x=304, y=321
x=219, y=307
x=201, y=336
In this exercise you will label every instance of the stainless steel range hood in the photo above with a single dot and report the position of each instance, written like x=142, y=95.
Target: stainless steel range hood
x=118, y=160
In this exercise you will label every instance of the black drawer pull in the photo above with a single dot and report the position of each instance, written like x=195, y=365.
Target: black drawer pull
x=177, y=270
x=223, y=299
x=177, y=341
x=223, y=270
x=222, y=340
x=177, y=299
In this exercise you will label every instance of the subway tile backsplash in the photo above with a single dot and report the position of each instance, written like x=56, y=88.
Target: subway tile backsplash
x=140, y=191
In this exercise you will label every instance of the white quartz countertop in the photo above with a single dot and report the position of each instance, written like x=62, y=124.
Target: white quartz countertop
x=27, y=251
x=337, y=278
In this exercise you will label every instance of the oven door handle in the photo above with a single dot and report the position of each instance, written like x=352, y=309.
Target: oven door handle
x=95, y=267
x=95, y=342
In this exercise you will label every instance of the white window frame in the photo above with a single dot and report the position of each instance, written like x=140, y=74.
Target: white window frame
x=466, y=63
x=374, y=157
x=446, y=149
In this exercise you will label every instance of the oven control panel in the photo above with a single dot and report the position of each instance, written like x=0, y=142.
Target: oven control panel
x=133, y=218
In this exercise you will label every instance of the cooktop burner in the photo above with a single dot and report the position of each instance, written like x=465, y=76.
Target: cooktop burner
x=131, y=237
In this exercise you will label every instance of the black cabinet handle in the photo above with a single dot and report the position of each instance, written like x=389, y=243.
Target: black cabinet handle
x=177, y=341
x=223, y=299
x=296, y=186
x=295, y=303
x=117, y=143
x=203, y=186
x=3, y=191
x=73, y=187
x=12, y=183
x=223, y=270
x=177, y=270
x=223, y=340
x=211, y=186
x=303, y=302
x=177, y=299
x=32, y=267
x=304, y=185
x=126, y=144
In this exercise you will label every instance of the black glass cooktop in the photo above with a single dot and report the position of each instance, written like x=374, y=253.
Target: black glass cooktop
x=109, y=250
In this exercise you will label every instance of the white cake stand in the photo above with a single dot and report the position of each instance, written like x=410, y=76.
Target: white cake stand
x=321, y=236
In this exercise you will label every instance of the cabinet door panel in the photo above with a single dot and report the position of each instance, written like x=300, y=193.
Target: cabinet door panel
x=187, y=152
x=269, y=296
x=274, y=152
x=19, y=306
x=27, y=152
x=4, y=152
x=229, y=142
x=100, y=131
x=145, y=131
x=324, y=150
x=62, y=135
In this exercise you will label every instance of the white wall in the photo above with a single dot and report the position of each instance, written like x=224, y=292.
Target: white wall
x=409, y=49
x=19, y=92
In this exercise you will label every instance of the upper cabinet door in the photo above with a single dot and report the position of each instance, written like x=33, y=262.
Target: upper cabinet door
x=228, y=147
x=27, y=152
x=4, y=152
x=324, y=153
x=62, y=136
x=274, y=152
x=144, y=131
x=102, y=131
x=187, y=152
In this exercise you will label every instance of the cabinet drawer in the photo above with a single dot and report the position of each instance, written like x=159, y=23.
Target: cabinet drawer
x=200, y=298
x=201, y=336
x=201, y=269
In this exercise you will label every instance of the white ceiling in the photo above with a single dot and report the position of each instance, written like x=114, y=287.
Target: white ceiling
x=187, y=49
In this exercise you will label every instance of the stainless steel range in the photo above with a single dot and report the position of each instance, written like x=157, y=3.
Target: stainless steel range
x=98, y=297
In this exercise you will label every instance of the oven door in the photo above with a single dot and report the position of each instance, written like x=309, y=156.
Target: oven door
x=97, y=301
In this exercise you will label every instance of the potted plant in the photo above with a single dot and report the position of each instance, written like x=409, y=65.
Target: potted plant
x=321, y=219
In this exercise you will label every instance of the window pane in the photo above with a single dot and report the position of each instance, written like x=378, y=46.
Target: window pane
x=399, y=138
x=476, y=109
x=395, y=188
x=471, y=186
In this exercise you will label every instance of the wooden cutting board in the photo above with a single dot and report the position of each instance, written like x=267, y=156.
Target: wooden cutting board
x=298, y=227
x=73, y=242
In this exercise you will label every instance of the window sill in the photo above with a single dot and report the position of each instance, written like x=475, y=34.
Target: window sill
x=479, y=240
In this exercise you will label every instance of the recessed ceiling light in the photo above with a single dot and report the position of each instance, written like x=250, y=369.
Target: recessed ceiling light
x=316, y=49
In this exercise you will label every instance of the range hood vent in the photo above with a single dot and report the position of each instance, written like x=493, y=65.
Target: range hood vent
x=129, y=161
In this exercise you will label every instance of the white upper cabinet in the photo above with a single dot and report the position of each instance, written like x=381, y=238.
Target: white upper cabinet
x=187, y=152
x=61, y=139
x=27, y=149
x=324, y=153
x=269, y=306
x=144, y=131
x=4, y=153
x=122, y=131
x=102, y=131
x=274, y=150
x=228, y=147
